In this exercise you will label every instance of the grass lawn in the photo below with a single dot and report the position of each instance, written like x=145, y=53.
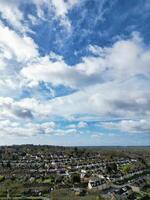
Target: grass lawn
x=64, y=194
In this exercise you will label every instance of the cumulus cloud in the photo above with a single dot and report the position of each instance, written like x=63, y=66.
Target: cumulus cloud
x=79, y=125
x=23, y=113
x=12, y=128
x=130, y=126
x=112, y=100
x=9, y=127
x=111, y=82
x=62, y=132
x=13, y=45
x=56, y=72
x=126, y=58
x=10, y=109
x=103, y=100
x=11, y=13
x=82, y=124
x=15, y=50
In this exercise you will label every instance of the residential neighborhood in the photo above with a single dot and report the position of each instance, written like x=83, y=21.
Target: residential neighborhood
x=33, y=172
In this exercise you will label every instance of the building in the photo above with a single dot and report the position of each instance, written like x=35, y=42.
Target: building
x=98, y=183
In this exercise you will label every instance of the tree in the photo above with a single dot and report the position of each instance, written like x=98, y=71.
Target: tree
x=75, y=178
x=126, y=168
x=2, y=178
x=8, y=164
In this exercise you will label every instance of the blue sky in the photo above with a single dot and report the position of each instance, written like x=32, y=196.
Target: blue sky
x=75, y=72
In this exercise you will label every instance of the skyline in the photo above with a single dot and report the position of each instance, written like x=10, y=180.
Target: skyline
x=75, y=73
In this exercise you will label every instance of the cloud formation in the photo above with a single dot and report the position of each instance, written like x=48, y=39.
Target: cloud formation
x=79, y=82
x=125, y=58
x=29, y=129
x=130, y=126
x=15, y=46
x=94, y=77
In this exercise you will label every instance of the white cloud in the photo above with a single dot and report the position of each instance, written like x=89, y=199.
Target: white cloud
x=59, y=7
x=10, y=85
x=107, y=100
x=111, y=99
x=10, y=110
x=13, y=45
x=62, y=132
x=97, y=135
x=82, y=125
x=15, y=50
x=12, y=128
x=100, y=80
x=10, y=11
x=79, y=125
x=9, y=127
x=126, y=58
x=103, y=81
x=130, y=126
x=43, y=69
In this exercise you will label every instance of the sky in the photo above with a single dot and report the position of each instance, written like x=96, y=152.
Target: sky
x=75, y=72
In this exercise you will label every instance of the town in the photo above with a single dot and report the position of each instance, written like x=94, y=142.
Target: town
x=91, y=173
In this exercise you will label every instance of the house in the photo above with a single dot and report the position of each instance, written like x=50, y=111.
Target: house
x=138, y=185
x=122, y=193
x=83, y=174
x=98, y=183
